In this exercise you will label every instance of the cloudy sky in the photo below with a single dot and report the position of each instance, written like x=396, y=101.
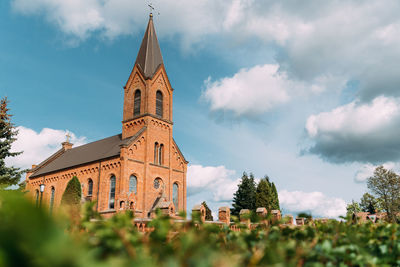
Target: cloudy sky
x=305, y=92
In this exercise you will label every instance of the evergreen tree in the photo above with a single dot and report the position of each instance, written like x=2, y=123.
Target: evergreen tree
x=263, y=194
x=8, y=175
x=245, y=196
x=275, y=198
x=72, y=194
x=209, y=216
x=266, y=195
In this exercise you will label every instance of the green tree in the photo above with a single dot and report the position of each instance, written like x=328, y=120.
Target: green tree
x=267, y=195
x=369, y=203
x=209, y=216
x=353, y=207
x=263, y=194
x=275, y=198
x=245, y=196
x=8, y=175
x=385, y=184
x=73, y=193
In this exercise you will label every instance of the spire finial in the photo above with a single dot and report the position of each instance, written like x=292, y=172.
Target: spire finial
x=68, y=136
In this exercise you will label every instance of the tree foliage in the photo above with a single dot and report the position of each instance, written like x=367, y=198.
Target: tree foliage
x=263, y=194
x=245, y=196
x=8, y=175
x=209, y=216
x=73, y=192
x=275, y=198
x=251, y=196
x=385, y=184
x=369, y=203
x=42, y=240
x=266, y=195
x=352, y=208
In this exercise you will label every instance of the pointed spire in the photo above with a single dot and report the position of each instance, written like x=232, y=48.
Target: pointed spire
x=149, y=57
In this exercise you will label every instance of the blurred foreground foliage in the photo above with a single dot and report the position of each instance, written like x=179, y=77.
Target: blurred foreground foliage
x=30, y=237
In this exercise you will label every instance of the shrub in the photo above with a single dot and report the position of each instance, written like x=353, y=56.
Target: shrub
x=72, y=194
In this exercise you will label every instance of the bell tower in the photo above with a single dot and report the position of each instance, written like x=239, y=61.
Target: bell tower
x=148, y=92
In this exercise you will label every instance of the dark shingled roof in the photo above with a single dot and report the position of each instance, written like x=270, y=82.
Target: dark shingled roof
x=95, y=151
x=149, y=57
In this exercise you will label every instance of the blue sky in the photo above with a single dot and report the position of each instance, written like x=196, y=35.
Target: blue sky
x=304, y=93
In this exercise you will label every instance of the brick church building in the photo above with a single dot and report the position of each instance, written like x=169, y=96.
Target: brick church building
x=140, y=169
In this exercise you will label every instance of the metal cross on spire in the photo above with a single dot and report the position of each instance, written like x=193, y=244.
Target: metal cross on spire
x=68, y=136
x=151, y=7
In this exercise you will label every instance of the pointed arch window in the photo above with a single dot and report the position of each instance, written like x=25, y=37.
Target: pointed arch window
x=111, y=201
x=90, y=187
x=133, y=184
x=175, y=195
x=156, y=147
x=160, y=154
x=137, y=101
x=53, y=192
x=159, y=104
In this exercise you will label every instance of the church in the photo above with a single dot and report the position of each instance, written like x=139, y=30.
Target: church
x=140, y=169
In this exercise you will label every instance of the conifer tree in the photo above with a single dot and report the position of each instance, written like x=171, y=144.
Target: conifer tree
x=275, y=198
x=209, y=216
x=72, y=194
x=263, y=194
x=245, y=196
x=8, y=175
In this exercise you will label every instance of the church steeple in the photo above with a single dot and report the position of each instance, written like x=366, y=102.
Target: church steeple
x=149, y=57
x=147, y=93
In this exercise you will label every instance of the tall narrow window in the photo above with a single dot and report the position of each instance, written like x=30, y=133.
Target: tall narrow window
x=133, y=184
x=90, y=187
x=111, y=201
x=136, y=105
x=37, y=198
x=175, y=195
x=159, y=104
x=160, y=154
x=155, y=152
x=53, y=191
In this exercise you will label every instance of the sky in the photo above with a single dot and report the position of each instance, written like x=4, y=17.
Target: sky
x=305, y=92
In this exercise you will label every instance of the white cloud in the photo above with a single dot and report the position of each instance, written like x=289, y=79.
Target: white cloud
x=364, y=132
x=367, y=170
x=219, y=181
x=37, y=146
x=315, y=203
x=259, y=89
x=355, y=40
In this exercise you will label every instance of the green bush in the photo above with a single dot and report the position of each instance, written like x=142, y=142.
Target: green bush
x=73, y=193
x=30, y=237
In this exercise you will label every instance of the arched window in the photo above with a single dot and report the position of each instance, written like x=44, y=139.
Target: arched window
x=133, y=184
x=159, y=104
x=53, y=191
x=37, y=197
x=160, y=154
x=158, y=183
x=137, y=101
x=111, y=201
x=155, y=152
x=175, y=195
x=90, y=187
